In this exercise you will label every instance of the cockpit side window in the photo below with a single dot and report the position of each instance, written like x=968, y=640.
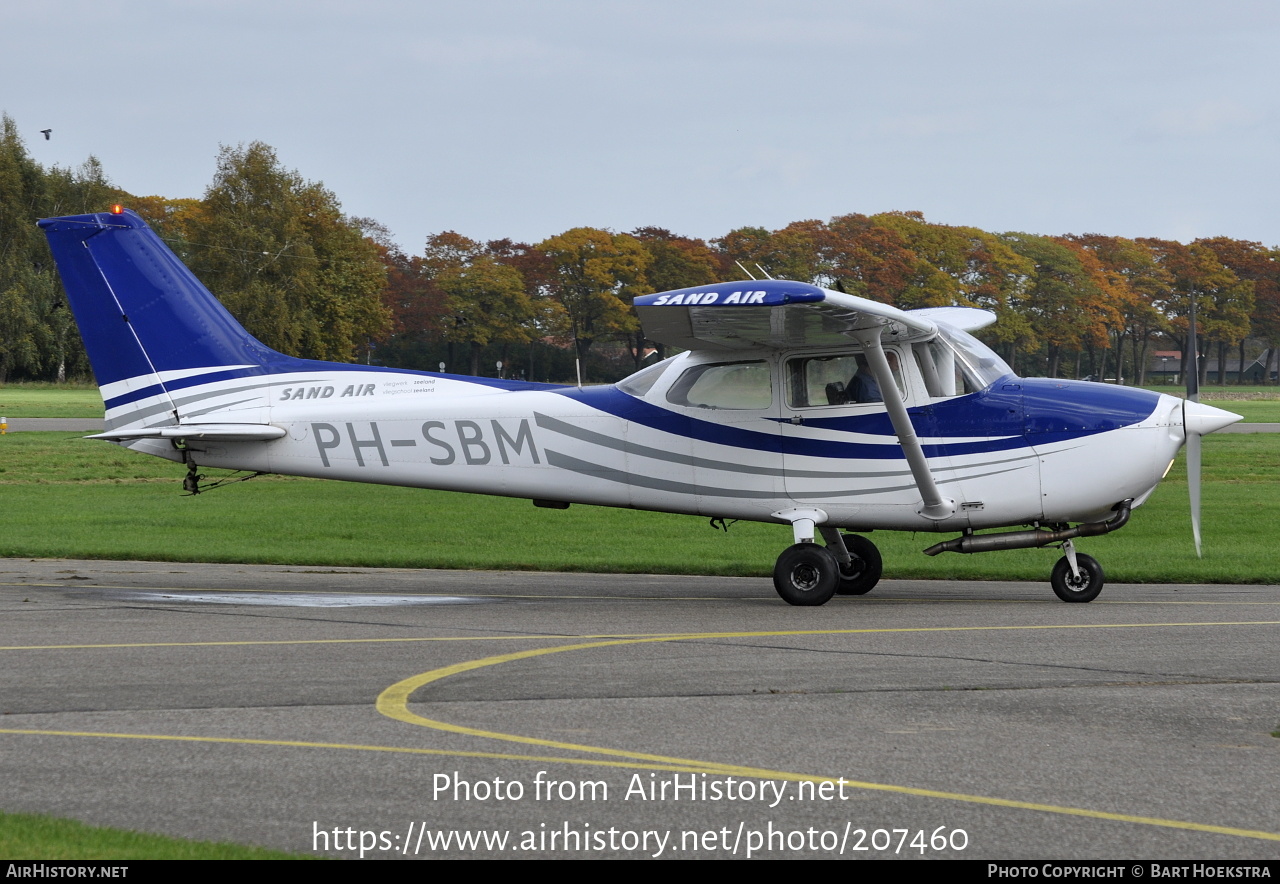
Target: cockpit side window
x=843, y=379
x=734, y=385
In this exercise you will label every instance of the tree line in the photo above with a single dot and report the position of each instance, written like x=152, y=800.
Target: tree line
x=310, y=281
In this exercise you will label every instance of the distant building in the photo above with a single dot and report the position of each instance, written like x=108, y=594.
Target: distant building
x=1165, y=367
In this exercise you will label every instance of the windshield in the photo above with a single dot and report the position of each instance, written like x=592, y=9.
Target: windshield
x=973, y=364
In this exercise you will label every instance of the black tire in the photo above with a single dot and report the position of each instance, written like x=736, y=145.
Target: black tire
x=864, y=571
x=1084, y=588
x=806, y=574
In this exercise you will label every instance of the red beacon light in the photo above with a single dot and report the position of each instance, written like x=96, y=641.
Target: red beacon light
x=117, y=209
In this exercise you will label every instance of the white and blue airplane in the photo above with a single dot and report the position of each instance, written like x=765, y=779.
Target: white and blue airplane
x=792, y=404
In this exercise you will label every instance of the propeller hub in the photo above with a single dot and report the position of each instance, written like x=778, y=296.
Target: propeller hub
x=1200, y=419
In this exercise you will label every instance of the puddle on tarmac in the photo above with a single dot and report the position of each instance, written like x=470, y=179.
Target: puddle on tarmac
x=299, y=599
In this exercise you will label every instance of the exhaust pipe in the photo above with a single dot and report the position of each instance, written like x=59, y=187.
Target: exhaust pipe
x=973, y=543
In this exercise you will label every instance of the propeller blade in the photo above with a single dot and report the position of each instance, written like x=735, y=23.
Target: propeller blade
x=1198, y=419
x=1192, y=378
x=1193, y=485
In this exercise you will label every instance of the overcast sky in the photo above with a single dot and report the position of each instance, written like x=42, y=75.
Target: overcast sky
x=524, y=119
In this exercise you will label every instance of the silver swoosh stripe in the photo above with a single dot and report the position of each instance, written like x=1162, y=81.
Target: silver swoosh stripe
x=575, y=432
x=572, y=464
x=567, y=429
x=164, y=408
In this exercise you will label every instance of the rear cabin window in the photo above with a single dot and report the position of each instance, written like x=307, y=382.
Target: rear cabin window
x=736, y=385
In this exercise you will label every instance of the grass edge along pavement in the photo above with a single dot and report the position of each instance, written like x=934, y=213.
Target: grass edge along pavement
x=68, y=497
x=30, y=836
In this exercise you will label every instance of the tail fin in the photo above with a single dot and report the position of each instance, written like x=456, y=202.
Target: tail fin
x=148, y=324
x=140, y=310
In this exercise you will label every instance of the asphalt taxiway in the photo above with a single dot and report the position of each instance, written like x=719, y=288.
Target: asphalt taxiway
x=319, y=709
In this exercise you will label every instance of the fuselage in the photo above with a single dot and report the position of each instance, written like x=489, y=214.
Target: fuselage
x=1015, y=452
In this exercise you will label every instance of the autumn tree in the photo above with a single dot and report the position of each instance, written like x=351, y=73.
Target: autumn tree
x=1222, y=301
x=1103, y=304
x=794, y=252
x=1253, y=263
x=485, y=299
x=21, y=189
x=415, y=304
x=279, y=253
x=594, y=274
x=867, y=259
x=173, y=220
x=1144, y=284
x=1067, y=303
x=677, y=262
x=940, y=261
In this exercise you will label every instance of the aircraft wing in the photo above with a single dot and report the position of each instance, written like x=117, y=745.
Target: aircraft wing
x=964, y=318
x=782, y=314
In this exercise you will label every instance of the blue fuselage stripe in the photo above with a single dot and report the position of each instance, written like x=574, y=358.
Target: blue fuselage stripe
x=1014, y=413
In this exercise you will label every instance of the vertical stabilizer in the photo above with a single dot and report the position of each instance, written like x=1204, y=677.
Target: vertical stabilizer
x=148, y=324
x=140, y=310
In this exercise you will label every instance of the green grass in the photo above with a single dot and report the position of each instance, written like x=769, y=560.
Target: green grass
x=25, y=836
x=1247, y=391
x=65, y=496
x=1254, y=411
x=50, y=400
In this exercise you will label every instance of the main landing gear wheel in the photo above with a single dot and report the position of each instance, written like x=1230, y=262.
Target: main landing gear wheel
x=863, y=573
x=806, y=574
x=1084, y=588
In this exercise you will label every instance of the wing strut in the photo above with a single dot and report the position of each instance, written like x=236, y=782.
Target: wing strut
x=935, y=505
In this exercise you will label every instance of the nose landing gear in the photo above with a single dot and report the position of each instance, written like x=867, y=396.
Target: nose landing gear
x=1076, y=577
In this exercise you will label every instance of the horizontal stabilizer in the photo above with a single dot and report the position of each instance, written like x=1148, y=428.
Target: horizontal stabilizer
x=223, y=432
